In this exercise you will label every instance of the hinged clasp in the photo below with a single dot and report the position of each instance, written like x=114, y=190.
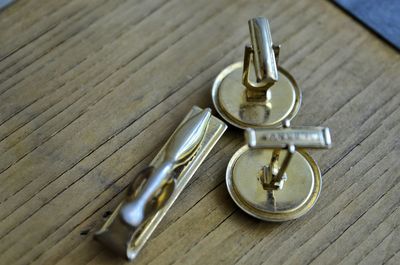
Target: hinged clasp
x=264, y=55
x=274, y=176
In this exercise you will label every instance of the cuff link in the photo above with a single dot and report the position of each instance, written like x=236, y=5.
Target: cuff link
x=273, y=178
x=156, y=188
x=263, y=97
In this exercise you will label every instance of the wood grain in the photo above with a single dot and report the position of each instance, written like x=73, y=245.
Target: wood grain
x=90, y=90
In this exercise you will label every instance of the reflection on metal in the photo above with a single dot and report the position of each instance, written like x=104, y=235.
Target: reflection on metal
x=257, y=92
x=155, y=189
x=264, y=56
x=271, y=188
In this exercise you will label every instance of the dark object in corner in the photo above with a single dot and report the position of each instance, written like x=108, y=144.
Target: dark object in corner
x=382, y=16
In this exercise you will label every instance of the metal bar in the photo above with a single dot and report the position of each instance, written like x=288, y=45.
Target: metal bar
x=301, y=137
x=265, y=66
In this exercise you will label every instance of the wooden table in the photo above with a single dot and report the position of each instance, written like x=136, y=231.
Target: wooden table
x=90, y=90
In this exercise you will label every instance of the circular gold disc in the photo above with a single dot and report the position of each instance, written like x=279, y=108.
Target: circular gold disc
x=300, y=190
x=229, y=97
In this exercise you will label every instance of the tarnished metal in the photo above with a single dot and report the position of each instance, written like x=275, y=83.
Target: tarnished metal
x=155, y=189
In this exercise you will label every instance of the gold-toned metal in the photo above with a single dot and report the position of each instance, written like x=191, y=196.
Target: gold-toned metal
x=264, y=54
x=274, y=189
x=260, y=94
x=156, y=188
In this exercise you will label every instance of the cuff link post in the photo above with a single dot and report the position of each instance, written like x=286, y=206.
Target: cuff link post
x=257, y=92
x=273, y=178
x=156, y=188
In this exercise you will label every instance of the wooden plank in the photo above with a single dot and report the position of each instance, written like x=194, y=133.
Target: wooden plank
x=90, y=91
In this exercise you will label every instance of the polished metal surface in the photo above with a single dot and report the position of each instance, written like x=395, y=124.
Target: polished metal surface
x=304, y=137
x=265, y=66
x=155, y=189
x=297, y=196
x=230, y=100
x=158, y=186
x=274, y=189
x=257, y=93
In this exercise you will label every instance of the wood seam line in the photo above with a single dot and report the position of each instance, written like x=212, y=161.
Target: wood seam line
x=182, y=215
x=74, y=228
x=74, y=42
x=356, y=246
x=72, y=35
x=337, y=236
x=94, y=150
x=78, y=98
x=36, y=20
x=86, y=110
x=328, y=180
x=389, y=152
x=234, y=210
x=53, y=135
x=392, y=256
x=43, y=111
x=28, y=122
x=6, y=216
x=107, y=202
x=34, y=37
x=348, y=203
x=160, y=102
x=229, y=215
x=354, y=145
x=357, y=41
x=61, y=98
x=292, y=224
x=69, y=20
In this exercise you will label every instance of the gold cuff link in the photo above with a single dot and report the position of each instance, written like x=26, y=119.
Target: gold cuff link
x=263, y=97
x=155, y=189
x=272, y=178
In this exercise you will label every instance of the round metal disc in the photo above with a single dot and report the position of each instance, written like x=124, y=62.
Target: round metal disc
x=300, y=190
x=229, y=97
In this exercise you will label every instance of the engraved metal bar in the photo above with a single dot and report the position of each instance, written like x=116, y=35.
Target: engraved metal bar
x=301, y=137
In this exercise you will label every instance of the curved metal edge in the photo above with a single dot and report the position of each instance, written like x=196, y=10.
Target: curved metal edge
x=230, y=68
x=273, y=217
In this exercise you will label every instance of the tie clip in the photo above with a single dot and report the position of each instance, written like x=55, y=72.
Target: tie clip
x=155, y=189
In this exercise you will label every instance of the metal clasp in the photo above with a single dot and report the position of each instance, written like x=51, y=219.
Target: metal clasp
x=155, y=189
x=274, y=176
x=264, y=55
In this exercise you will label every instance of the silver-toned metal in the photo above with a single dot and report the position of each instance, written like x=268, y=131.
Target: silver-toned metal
x=271, y=188
x=155, y=189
